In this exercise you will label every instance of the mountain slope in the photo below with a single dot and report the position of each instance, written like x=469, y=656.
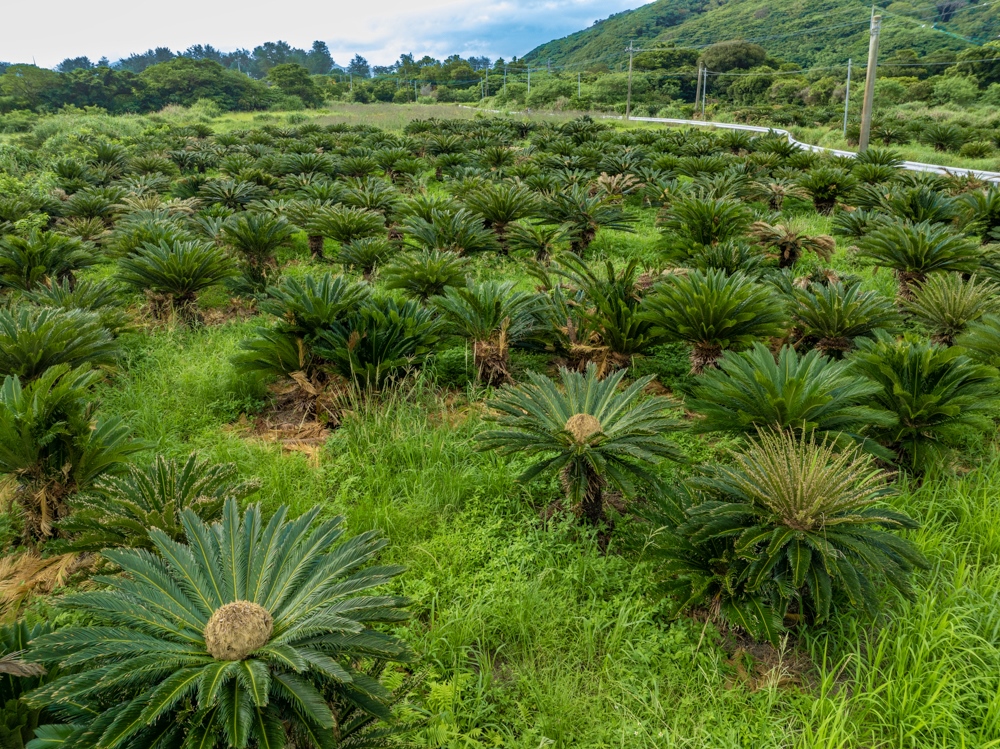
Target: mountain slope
x=809, y=32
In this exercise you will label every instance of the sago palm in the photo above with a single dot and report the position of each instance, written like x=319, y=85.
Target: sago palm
x=120, y=511
x=366, y=255
x=461, y=232
x=982, y=340
x=946, y=303
x=831, y=316
x=253, y=632
x=805, y=522
x=41, y=259
x=342, y=225
x=100, y=297
x=426, y=274
x=500, y=205
x=610, y=307
x=583, y=215
x=790, y=241
x=915, y=250
x=700, y=222
x=750, y=392
x=937, y=396
x=32, y=339
x=173, y=274
x=50, y=444
x=540, y=241
x=380, y=342
x=493, y=316
x=256, y=238
x=713, y=313
x=588, y=432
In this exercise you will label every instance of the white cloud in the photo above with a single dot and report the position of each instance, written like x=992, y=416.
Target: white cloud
x=51, y=31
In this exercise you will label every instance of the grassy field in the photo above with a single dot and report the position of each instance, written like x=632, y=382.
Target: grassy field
x=530, y=636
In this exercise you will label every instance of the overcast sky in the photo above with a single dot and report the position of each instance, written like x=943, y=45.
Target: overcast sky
x=50, y=30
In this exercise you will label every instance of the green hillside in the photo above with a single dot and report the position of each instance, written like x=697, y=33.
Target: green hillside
x=809, y=32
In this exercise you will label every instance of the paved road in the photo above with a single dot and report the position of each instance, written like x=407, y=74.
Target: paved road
x=914, y=166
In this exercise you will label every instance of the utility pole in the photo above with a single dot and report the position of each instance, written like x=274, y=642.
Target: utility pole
x=847, y=96
x=697, y=92
x=414, y=91
x=866, y=109
x=704, y=89
x=351, y=81
x=548, y=64
x=628, y=101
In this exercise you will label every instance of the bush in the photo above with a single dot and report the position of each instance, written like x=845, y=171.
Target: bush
x=794, y=524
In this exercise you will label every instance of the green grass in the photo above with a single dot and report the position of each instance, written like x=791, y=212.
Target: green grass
x=531, y=636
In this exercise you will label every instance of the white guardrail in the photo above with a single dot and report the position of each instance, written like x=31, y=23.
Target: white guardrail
x=913, y=166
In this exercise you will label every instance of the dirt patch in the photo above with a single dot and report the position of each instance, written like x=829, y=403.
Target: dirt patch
x=300, y=417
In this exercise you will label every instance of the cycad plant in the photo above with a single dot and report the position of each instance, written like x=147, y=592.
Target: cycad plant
x=541, y=241
x=789, y=241
x=826, y=185
x=380, y=343
x=914, y=251
x=256, y=237
x=426, y=274
x=18, y=677
x=302, y=308
x=937, y=396
x=831, y=316
x=588, y=432
x=583, y=215
x=693, y=223
x=367, y=255
x=50, y=444
x=982, y=340
x=775, y=191
x=500, y=205
x=713, y=313
x=251, y=633
x=121, y=511
x=32, y=339
x=792, y=526
x=100, y=297
x=752, y=392
x=946, y=303
x=171, y=275
x=611, y=308
x=493, y=316
x=342, y=225
x=41, y=259
x=461, y=232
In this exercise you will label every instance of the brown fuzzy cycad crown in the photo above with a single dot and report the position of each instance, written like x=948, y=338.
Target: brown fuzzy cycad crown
x=583, y=427
x=237, y=629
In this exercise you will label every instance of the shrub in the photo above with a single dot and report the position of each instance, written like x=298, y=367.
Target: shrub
x=50, y=445
x=493, y=316
x=713, y=312
x=794, y=523
x=41, y=259
x=790, y=241
x=587, y=432
x=426, y=274
x=257, y=237
x=982, y=340
x=915, y=250
x=380, y=342
x=268, y=634
x=937, y=396
x=826, y=185
x=34, y=339
x=946, y=303
x=99, y=297
x=751, y=392
x=832, y=316
x=703, y=222
x=173, y=274
x=121, y=511
x=366, y=255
